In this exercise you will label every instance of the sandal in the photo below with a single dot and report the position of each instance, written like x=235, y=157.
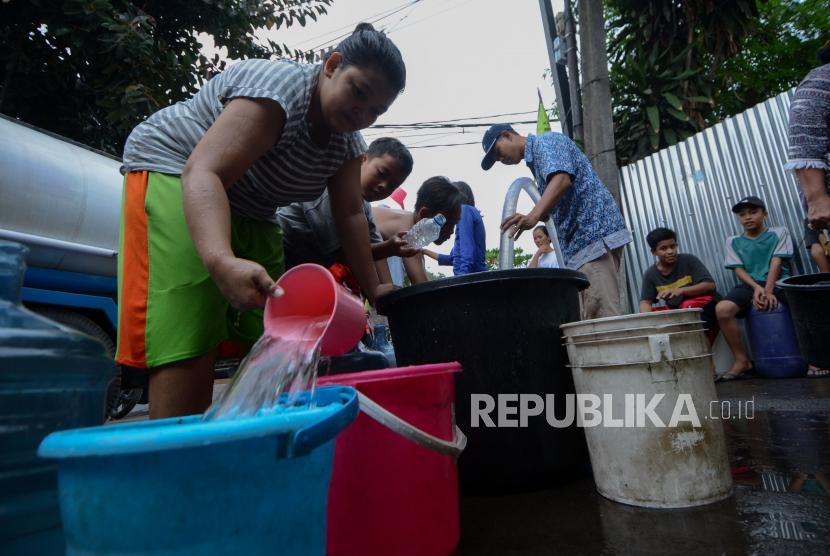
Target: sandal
x=817, y=372
x=728, y=377
x=743, y=375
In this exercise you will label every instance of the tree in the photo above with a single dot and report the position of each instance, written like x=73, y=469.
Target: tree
x=680, y=66
x=665, y=56
x=520, y=258
x=93, y=69
x=776, y=56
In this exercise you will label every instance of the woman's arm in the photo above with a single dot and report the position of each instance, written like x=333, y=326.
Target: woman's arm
x=384, y=274
x=812, y=182
x=534, y=262
x=244, y=131
x=352, y=226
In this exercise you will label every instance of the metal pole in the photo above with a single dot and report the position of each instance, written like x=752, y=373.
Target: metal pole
x=573, y=73
x=560, y=85
x=599, y=124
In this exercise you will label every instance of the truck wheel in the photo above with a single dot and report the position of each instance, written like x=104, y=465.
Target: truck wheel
x=119, y=402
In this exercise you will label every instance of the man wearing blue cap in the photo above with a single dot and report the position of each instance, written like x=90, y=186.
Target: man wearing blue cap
x=588, y=221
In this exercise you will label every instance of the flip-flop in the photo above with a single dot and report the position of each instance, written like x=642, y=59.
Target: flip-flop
x=728, y=377
x=817, y=372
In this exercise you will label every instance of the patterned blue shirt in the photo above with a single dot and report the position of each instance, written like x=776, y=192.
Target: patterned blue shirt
x=588, y=220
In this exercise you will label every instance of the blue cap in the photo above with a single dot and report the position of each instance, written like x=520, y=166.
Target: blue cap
x=489, y=141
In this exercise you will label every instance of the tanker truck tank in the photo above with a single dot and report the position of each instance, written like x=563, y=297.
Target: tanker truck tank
x=60, y=198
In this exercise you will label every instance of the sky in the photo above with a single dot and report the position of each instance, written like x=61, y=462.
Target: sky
x=464, y=58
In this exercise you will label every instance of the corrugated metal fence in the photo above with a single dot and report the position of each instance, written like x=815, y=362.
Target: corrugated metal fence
x=690, y=188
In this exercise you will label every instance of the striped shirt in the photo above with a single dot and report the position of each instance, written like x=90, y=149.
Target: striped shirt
x=295, y=169
x=809, y=133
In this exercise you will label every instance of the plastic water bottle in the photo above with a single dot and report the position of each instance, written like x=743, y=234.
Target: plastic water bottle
x=425, y=231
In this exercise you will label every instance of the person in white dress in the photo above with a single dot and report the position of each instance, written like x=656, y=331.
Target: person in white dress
x=545, y=257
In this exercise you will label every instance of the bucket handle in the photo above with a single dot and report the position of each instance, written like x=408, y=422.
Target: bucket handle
x=660, y=345
x=393, y=422
x=308, y=438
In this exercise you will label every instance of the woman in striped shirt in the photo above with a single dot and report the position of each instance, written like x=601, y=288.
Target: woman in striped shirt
x=200, y=246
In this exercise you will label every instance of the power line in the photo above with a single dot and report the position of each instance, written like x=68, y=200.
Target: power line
x=464, y=118
x=433, y=15
x=352, y=25
x=444, y=145
x=404, y=135
x=447, y=126
x=389, y=28
x=331, y=42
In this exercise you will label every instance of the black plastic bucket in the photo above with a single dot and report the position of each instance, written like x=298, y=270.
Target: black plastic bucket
x=809, y=299
x=503, y=327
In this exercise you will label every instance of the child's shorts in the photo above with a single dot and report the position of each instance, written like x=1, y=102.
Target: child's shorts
x=810, y=235
x=169, y=308
x=741, y=295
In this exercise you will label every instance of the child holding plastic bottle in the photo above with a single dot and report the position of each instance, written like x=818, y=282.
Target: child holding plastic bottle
x=199, y=247
x=437, y=195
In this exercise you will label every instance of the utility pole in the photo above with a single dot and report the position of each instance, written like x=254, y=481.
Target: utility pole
x=558, y=70
x=596, y=89
x=573, y=73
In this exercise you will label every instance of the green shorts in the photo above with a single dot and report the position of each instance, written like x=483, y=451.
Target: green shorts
x=169, y=308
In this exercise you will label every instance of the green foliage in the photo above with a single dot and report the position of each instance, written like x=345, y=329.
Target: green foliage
x=776, y=56
x=520, y=258
x=678, y=67
x=663, y=58
x=93, y=69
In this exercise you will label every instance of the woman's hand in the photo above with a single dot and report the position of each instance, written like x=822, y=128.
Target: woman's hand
x=245, y=284
x=818, y=213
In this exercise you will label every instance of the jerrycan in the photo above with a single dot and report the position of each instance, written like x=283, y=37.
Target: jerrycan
x=51, y=378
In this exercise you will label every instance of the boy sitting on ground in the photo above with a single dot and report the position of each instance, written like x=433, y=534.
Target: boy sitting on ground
x=436, y=195
x=309, y=231
x=757, y=257
x=678, y=281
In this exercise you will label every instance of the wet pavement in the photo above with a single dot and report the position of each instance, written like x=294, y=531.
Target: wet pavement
x=780, y=460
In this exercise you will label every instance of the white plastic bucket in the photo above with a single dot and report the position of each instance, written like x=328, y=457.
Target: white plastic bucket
x=677, y=465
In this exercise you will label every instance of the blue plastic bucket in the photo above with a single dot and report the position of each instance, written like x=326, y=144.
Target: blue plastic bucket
x=256, y=485
x=775, y=352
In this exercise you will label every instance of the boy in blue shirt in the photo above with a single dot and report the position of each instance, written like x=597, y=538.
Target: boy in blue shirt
x=758, y=257
x=468, y=252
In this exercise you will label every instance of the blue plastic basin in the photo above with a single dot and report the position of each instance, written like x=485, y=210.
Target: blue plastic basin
x=256, y=485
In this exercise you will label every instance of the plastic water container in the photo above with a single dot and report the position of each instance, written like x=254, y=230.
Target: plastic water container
x=51, y=378
x=503, y=327
x=255, y=485
x=388, y=495
x=775, y=351
x=809, y=298
x=672, y=466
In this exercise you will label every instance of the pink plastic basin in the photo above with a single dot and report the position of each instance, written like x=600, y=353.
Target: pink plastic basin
x=388, y=495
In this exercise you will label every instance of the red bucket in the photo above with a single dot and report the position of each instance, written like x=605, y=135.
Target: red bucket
x=388, y=494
